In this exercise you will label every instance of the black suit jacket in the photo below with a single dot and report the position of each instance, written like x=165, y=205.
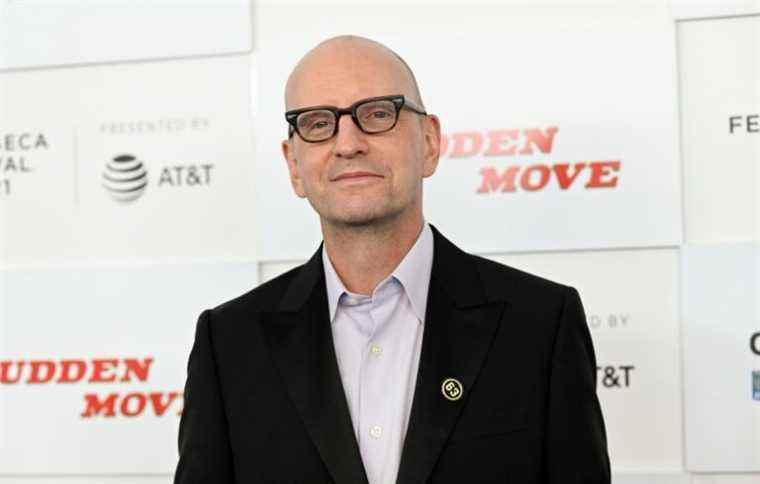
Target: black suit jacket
x=264, y=402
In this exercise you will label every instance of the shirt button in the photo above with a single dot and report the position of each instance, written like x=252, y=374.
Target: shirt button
x=376, y=350
x=376, y=431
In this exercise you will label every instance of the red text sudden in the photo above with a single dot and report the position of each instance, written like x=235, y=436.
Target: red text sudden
x=96, y=370
x=500, y=142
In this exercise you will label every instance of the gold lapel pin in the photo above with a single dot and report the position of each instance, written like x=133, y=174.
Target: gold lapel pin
x=452, y=389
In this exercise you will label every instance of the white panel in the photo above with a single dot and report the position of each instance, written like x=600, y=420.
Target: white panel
x=4, y=179
x=502, y=67
x=721, y=313
x=630, y=298
x=185, y=126
x=695, y=9
x=88, y=314
x=43, y=33
x=4, y=416
x=725, y=479
x=644, y=478
x=167, y=479
x=720, y=85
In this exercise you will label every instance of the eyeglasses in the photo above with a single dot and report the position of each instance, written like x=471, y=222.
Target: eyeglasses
x=373, y=115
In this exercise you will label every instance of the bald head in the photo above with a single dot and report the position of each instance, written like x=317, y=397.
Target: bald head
x=340, y=64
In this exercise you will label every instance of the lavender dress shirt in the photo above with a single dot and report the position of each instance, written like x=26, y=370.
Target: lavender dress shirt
x=377, y=344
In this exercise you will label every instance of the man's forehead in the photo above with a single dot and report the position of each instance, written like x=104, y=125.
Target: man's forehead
x=341, y=90
x=344, y=70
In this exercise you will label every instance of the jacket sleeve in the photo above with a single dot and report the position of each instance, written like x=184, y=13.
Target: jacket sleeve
x=204, y=449
x=576, y=439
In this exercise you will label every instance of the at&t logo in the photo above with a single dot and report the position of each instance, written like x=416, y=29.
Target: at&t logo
x=125, y=178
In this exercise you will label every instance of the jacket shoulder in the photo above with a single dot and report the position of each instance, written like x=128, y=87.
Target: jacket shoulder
x=504, y=281
x=263, y=298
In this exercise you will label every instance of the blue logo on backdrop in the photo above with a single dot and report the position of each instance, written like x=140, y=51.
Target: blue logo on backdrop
x=754, y=347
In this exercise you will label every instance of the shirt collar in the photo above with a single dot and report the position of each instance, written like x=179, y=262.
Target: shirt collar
x=413, y=272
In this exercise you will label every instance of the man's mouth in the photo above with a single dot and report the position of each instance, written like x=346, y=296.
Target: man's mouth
x=356, y=175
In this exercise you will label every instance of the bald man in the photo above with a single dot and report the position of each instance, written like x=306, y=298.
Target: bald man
x=391, y=356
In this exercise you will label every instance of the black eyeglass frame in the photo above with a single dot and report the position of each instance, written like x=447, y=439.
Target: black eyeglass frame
x=399, y=101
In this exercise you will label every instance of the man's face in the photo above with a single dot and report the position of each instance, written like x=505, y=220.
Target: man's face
x=356, y=178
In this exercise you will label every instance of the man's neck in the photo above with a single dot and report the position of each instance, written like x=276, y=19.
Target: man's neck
x=364, y=256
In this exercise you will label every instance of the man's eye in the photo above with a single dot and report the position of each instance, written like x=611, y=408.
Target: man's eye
x=315, y=123
x=378, y=114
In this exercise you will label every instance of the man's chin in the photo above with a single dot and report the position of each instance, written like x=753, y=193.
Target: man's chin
x=361, y=219
x=358, y=220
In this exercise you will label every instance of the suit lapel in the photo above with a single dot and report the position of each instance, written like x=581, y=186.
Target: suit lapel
x=300, y=339
x=459, y=327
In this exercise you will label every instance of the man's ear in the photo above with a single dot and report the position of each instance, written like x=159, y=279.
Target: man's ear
x=431, y=127
x=295, y=180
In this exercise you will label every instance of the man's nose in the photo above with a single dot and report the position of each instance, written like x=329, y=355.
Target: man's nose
x=350, y=141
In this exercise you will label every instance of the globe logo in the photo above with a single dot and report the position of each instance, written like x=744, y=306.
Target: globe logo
x=125, y=178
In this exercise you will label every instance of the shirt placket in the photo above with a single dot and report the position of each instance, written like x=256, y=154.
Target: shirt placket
x=374, y=401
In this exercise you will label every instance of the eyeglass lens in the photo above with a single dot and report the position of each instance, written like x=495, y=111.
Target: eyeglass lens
x=373, y=117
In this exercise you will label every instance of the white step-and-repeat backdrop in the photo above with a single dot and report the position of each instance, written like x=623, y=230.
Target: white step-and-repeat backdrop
x=126, y=206
x=610, y=146
x=720, y=261
x=541, y=151
x=50, y=33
